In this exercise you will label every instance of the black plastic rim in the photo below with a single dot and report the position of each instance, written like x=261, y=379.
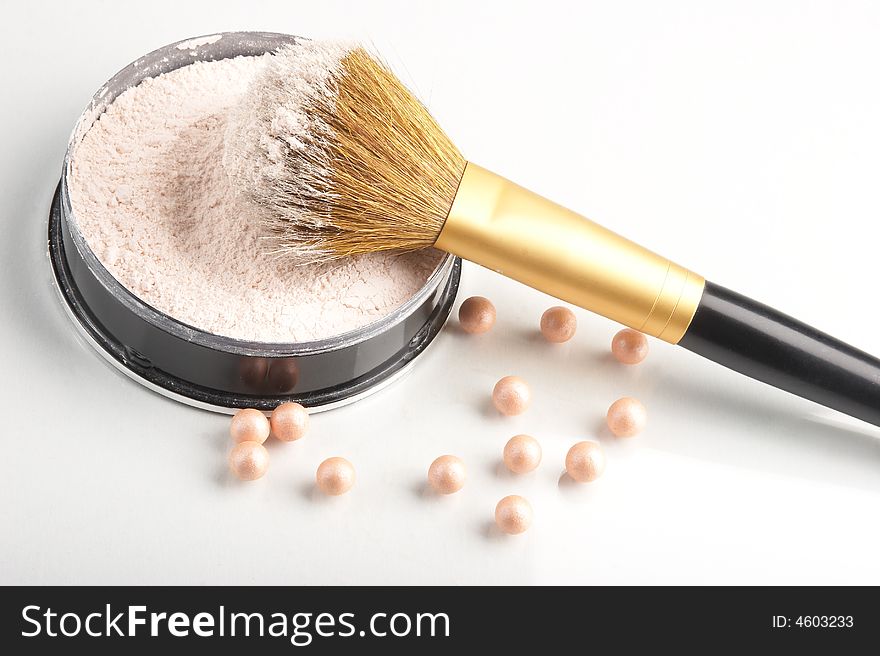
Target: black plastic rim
x=83, y=296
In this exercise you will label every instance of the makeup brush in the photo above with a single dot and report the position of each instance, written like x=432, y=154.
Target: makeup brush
x=343, y=159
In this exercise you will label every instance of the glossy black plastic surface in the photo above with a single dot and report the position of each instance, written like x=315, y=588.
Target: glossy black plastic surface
x=221, y=378
x=772, y=347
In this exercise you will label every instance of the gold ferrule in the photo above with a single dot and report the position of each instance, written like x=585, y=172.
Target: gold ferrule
x=524, y=236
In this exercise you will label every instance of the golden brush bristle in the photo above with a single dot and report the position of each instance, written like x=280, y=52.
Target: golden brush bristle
x=340, y=156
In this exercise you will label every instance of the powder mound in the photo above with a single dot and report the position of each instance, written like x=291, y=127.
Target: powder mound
x=154, y=202
x=276, y=119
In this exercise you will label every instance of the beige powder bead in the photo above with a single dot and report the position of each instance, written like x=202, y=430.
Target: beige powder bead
x=447, y=474
x=522, y=454
x=249, y=460
x=513, y=514
x=627, y=417
x=249, y=425
x=335, y=476
x=289, y=421
x=558, y=324
x=511, y=395
x=585, y=461
x=476, y=315
x=629, y=346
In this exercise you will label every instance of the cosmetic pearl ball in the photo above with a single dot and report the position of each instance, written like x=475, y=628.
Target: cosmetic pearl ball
x=476, y=315
x=289, y=421
x=249, y=460
x=511, y=395
x=585, y=461
x=558, y=324
x=513, y=515
x=335, y=476
x=447, y=474
x=627, y=417
x=249, y=425
x=522, y=454
x=629, y=346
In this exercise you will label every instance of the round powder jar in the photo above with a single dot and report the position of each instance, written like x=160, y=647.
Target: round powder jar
x=158, y=259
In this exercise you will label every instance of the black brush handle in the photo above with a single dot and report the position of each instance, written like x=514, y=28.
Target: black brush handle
x=765, y=344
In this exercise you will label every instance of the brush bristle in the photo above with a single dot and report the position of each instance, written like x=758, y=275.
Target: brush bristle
x=340, y=156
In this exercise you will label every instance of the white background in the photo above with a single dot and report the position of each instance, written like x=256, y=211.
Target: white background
x=739, y=138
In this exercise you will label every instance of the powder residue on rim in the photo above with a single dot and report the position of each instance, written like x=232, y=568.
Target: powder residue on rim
x=153, y=201
x=192, y=44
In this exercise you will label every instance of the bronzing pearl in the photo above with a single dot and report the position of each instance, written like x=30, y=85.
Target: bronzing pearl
x=289, y=421
x=335, y=476
x=627, y=417
x=476, y=315
x=249, y=425
x=522, y=454
x=511, y=395
x=249, y=460
x=558, y=324
x=447, y=474
x=629, y=346
x=585, y=461
x=513, y=515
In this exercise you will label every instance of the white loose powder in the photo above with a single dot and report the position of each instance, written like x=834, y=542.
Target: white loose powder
x=263, y=132
x=153, y=201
